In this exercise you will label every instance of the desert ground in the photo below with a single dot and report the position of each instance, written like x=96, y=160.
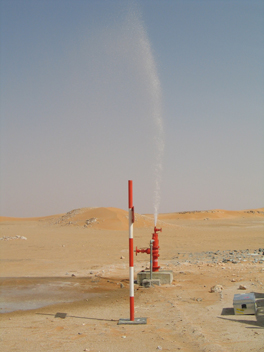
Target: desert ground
x=65, y=282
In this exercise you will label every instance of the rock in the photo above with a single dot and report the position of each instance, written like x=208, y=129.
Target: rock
x=121, y=285
x=17, y=237
x=159, y=348
x=242, y=287
x=90, y=221
x=216, y=288
x=122, y=257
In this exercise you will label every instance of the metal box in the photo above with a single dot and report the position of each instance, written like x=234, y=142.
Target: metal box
x=244, y=303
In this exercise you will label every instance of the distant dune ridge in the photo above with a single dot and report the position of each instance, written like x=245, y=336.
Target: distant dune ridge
x=213, y=214
x=117, y=219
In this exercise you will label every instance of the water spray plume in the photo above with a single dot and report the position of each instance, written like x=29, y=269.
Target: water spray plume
x=132, y=73
x=129, y=67
x=153, y=85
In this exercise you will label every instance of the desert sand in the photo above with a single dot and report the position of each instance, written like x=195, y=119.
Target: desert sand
x=64, y=282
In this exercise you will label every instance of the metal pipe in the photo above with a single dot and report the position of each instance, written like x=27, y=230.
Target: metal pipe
x=151, y=246
x=155, y=250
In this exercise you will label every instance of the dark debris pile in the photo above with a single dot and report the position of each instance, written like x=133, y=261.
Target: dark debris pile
x=227, y=256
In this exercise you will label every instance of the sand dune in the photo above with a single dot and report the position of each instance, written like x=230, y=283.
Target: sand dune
x=117, y=219
x=213, y=214
x=100, y=218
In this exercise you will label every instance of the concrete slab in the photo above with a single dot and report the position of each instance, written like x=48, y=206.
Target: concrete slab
x=150, y=282
x=137, y=321
x=165, y=277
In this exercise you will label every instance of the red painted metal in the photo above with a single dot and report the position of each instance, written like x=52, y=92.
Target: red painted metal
x=155, y=250
x=132, y=215
x=132, y=309
x=130, y=194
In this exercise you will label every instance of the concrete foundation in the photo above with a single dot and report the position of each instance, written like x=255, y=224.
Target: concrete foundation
x=150, y=282
x=137, y=321
x=158, y=277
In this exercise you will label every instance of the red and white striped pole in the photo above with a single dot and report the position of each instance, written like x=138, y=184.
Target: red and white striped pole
x=132, y=319
x=131, y=249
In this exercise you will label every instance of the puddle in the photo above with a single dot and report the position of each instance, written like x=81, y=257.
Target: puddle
x=32, y=293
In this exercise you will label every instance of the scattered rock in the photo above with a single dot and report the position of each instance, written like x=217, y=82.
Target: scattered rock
x=121, y=285
x=216, y=288
x=6, y=238
x=122, y=257
x=90, y=221
x=242, y=287
x=220, y=257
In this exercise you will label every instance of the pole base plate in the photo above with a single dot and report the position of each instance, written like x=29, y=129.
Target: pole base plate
x=137, y=321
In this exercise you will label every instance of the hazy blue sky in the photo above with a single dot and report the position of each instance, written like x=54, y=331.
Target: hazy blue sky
x=84, y=83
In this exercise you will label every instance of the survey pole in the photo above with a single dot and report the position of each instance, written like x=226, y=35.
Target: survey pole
x=131, y=249
x=131, y=219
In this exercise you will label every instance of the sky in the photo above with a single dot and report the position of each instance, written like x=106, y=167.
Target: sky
x=94, y=93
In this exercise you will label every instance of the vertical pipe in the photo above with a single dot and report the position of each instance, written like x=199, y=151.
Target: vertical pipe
x=150, y=266
x=131, y=247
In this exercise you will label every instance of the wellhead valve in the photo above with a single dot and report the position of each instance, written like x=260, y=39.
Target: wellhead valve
x=155, y=249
